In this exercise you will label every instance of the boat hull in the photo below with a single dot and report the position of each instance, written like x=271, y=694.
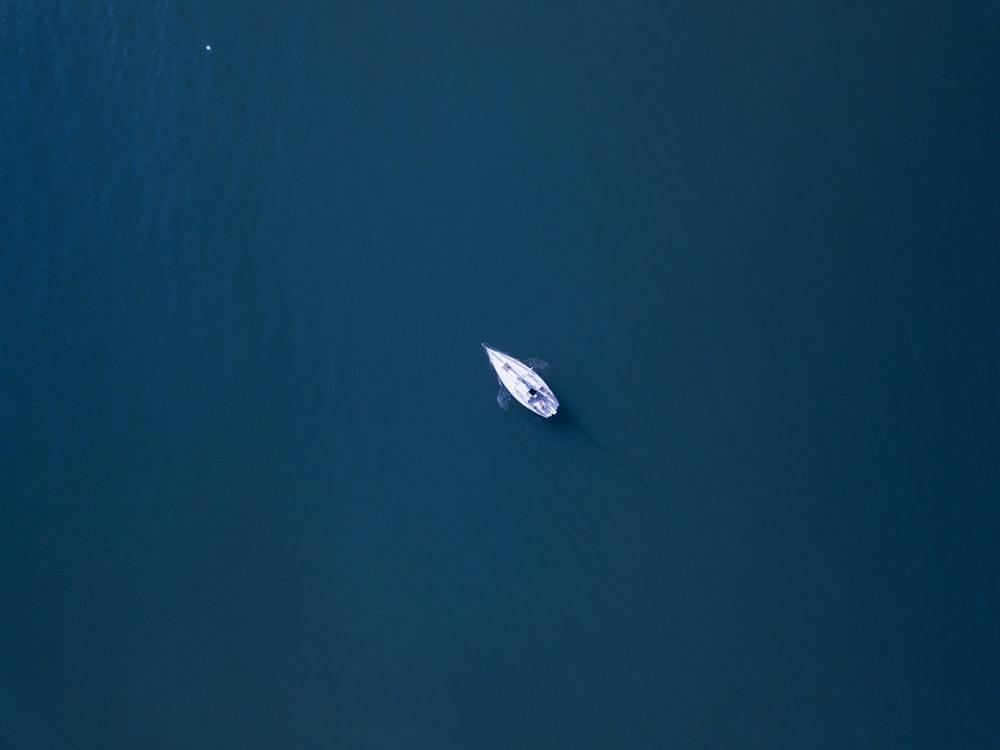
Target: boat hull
x=523, y=383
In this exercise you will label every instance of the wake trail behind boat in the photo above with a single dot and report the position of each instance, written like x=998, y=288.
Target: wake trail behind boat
x=571, y=426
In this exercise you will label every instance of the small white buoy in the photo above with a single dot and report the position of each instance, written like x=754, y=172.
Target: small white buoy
x=208, y=47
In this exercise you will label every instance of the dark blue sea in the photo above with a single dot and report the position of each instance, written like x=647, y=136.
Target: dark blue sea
x=256, y=490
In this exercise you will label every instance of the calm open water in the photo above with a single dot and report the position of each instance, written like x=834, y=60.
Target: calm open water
x=255, y=488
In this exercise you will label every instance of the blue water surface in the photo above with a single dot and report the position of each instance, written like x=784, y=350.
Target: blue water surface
x=255, y=487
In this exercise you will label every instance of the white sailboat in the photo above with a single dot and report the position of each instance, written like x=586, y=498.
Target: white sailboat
x=523, y=383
